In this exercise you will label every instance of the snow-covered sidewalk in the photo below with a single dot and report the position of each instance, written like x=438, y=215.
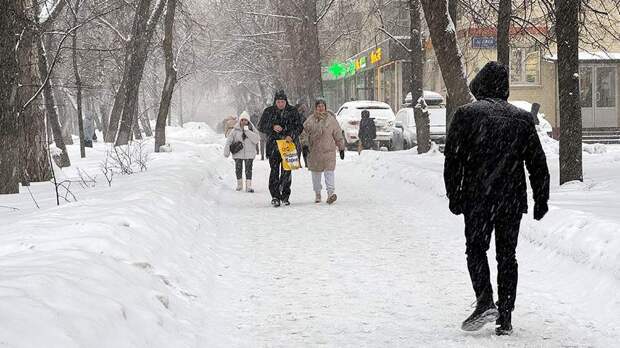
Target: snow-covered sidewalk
x=174, y=257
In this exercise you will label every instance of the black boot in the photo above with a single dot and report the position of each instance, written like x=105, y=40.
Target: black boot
x=286, y=202
x=484, y=313
x=504, y=325
x=275, y=202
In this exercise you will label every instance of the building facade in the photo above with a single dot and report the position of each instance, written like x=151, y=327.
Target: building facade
x=533, y=70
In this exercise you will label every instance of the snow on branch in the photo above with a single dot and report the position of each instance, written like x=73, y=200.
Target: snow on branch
x=273, y=15
x=260, y=34
x=395, y=39
x=154, y=17
x=324, y=12
x=113, y=28
x=49, y=14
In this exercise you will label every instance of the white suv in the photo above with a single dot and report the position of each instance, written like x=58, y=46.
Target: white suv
x=437, y=117
x=350, y=114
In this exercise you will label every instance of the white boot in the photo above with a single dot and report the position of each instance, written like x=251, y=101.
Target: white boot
x=239, y=184
x=317, y=197
x=248, y=186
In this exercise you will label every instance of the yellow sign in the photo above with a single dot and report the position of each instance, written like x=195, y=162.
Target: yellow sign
x=376, y=55
x=360, y=63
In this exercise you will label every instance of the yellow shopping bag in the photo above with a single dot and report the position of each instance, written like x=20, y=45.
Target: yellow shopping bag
x=288, y=151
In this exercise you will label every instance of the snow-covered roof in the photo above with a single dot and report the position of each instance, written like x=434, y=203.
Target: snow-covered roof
x=365, y=103
x=600, y=55
x=428, y=95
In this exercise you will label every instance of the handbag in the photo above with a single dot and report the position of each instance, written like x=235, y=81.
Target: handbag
x=236, y=147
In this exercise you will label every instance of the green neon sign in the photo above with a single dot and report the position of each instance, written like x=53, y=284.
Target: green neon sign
x=341, y=69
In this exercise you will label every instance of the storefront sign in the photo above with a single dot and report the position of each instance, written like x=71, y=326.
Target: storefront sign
x=376, y=55
x=483, y=42
x=350, y=67
x=360, y=63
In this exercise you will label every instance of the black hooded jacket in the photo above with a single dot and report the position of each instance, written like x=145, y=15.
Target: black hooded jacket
x=288, y=119
x=367, y=132
x=488, y=143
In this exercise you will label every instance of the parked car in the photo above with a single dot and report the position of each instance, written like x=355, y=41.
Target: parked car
x=350, y=114
x=437, y=114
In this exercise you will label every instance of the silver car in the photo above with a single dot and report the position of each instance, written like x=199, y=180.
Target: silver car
x=437, y=113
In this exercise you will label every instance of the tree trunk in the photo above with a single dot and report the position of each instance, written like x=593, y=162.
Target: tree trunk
x=145, y=119
x=304, y=72
x=417, y=77
x=9, y=113
x=171, y=77
x=36, y=166
x=50, y=107
x=312, y=52
x=453, y=10
x=449, y=57
x=104, y=119
x=78, y=82
x=117, y=107
x=181, y=106
x=64, y=115
x=142, y=32
x=503, y=32
x=567, y=31
x=135, y=126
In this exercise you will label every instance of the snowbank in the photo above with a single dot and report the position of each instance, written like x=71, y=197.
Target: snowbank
x=112, y=262
x=583, y=224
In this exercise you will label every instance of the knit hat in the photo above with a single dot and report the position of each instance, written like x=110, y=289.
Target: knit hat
x=281, y=95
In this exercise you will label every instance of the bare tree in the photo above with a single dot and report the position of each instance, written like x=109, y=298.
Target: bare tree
x=142, y=32
x=78, y=79
x=51, y=109
x=10, y=28
x=567, y=31
x=416, y=53
x=503, y=32
x=34, y=155
x=171, y=76
x=449, y=56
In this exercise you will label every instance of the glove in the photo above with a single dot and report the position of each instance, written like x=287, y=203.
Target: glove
x=341, y=154
x=456, y=208
x=540, y=209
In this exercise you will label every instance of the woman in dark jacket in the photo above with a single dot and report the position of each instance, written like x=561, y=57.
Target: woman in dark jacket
x=367, y=132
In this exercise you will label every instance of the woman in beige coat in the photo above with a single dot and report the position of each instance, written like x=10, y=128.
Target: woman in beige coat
x=323, y=136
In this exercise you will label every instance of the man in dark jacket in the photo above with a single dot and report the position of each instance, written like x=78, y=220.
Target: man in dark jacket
x=280, y=122
x=367, y=132
x=488, y=143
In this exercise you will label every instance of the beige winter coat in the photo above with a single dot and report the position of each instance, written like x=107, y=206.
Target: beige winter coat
x=323, y=136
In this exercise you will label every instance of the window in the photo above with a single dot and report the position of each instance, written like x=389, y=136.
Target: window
x=585, y=86
x=525, y=66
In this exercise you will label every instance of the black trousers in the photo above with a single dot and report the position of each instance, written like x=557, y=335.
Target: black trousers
x=248, y=168
x=280, y=180
x=262, y=145
x=478, y=229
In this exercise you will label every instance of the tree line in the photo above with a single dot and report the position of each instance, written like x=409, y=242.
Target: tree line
x=118, y=61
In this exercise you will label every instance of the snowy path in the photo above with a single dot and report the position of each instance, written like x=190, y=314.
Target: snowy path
x=173, y=257
x=383, y=267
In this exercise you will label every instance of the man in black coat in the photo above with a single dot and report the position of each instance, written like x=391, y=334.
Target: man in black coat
x=488, y=143
x=280, y=122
